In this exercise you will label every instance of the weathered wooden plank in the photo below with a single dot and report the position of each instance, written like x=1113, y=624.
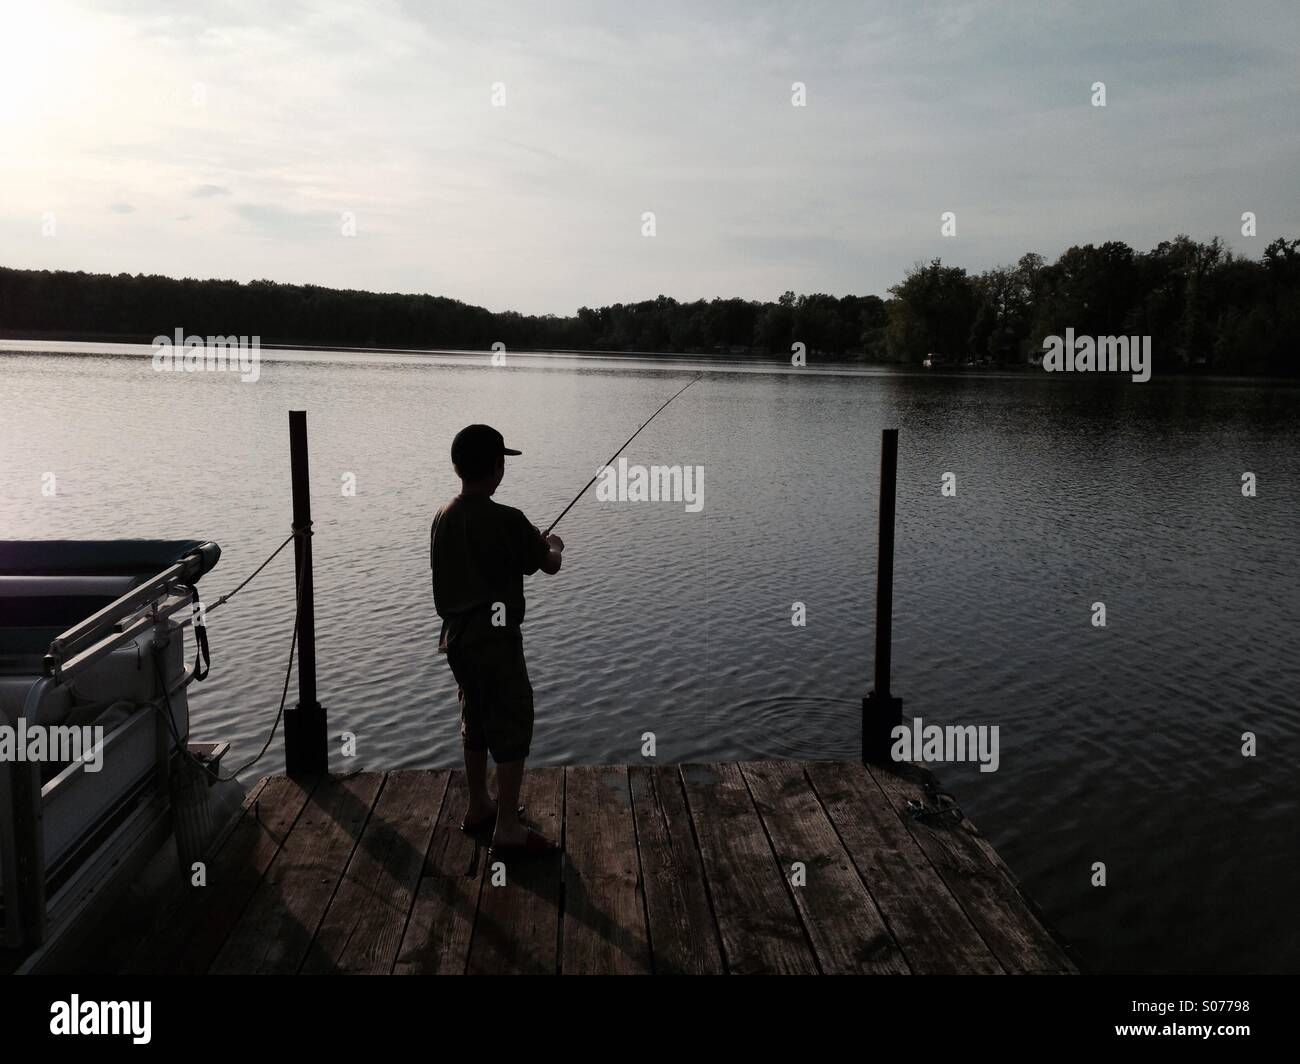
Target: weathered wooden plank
x=847, y=931
x=760, y=930
x=683, y=935
x=193, y=926
x=667, y=869
x=248, y=807
x=518, y=923
x=978, y=879
x=438, y=934
x=927, y=922
x=604, y=910
x=274, y=933
x=366, y=918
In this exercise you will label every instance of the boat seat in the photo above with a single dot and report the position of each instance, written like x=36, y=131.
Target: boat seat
x=34, y=610
x=13, y=697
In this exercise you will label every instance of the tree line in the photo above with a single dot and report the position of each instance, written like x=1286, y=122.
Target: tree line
x=1204, y=307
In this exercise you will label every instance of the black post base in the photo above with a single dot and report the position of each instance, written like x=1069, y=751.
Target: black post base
x=879, y=718
x=306, y=749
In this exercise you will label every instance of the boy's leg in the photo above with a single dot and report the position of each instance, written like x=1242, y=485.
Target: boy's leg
x=509, y=734
x=510, y=778
x=480, y=801
x=470, y=695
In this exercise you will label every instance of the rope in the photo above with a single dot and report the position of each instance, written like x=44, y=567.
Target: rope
x=941, y=804
x=284, y=692
x=181, y=741
x=226, y=598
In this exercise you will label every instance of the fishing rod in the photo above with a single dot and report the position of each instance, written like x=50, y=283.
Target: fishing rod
x=615, y=455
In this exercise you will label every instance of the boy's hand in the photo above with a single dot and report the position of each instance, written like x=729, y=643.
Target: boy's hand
x=554, y=551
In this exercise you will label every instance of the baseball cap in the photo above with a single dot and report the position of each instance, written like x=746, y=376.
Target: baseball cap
x=481, y=442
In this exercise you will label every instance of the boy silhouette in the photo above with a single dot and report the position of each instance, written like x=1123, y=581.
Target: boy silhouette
x=480, y=551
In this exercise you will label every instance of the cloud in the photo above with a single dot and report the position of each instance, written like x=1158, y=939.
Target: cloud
x=386, y=110
x=269, y=220
x=121, y=208
x=788, y=247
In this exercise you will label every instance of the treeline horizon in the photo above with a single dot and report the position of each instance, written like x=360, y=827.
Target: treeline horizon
x=1205, y=308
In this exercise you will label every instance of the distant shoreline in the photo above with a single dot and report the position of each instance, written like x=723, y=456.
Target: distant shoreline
x=719, y=356
x=121, y=338
x=733, y=357
x=723, y=359
x=1199, y=309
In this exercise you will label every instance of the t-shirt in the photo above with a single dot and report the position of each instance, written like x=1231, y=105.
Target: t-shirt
x=480, y=551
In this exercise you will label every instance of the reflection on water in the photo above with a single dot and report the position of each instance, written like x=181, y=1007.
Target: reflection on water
x=1119, y=744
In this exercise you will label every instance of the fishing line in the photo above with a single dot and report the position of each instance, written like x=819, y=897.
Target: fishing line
x=616, y=454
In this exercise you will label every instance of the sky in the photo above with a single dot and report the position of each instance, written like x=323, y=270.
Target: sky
x=364, y=145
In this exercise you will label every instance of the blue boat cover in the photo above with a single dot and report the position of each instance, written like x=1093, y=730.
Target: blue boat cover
x=47, y=586
x=138, y=558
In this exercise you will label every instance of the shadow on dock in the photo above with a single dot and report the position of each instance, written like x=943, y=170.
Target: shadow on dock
x=756, y=867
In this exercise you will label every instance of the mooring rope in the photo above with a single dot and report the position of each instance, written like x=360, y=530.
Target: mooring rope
x=284, y=691
x=226, y=598
x=182, y=741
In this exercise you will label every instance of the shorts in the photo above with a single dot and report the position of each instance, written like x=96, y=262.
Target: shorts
x=496, y=698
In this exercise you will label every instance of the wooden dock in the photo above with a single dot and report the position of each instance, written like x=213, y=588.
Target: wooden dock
x=772, y=866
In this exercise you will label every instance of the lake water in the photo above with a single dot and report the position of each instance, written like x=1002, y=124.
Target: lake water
x=1120, y=744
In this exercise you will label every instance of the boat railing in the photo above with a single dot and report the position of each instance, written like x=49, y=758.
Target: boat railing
x=122, y=620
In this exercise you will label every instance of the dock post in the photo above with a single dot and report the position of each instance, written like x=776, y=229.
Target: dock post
x=881, y=712
x=306, y=750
